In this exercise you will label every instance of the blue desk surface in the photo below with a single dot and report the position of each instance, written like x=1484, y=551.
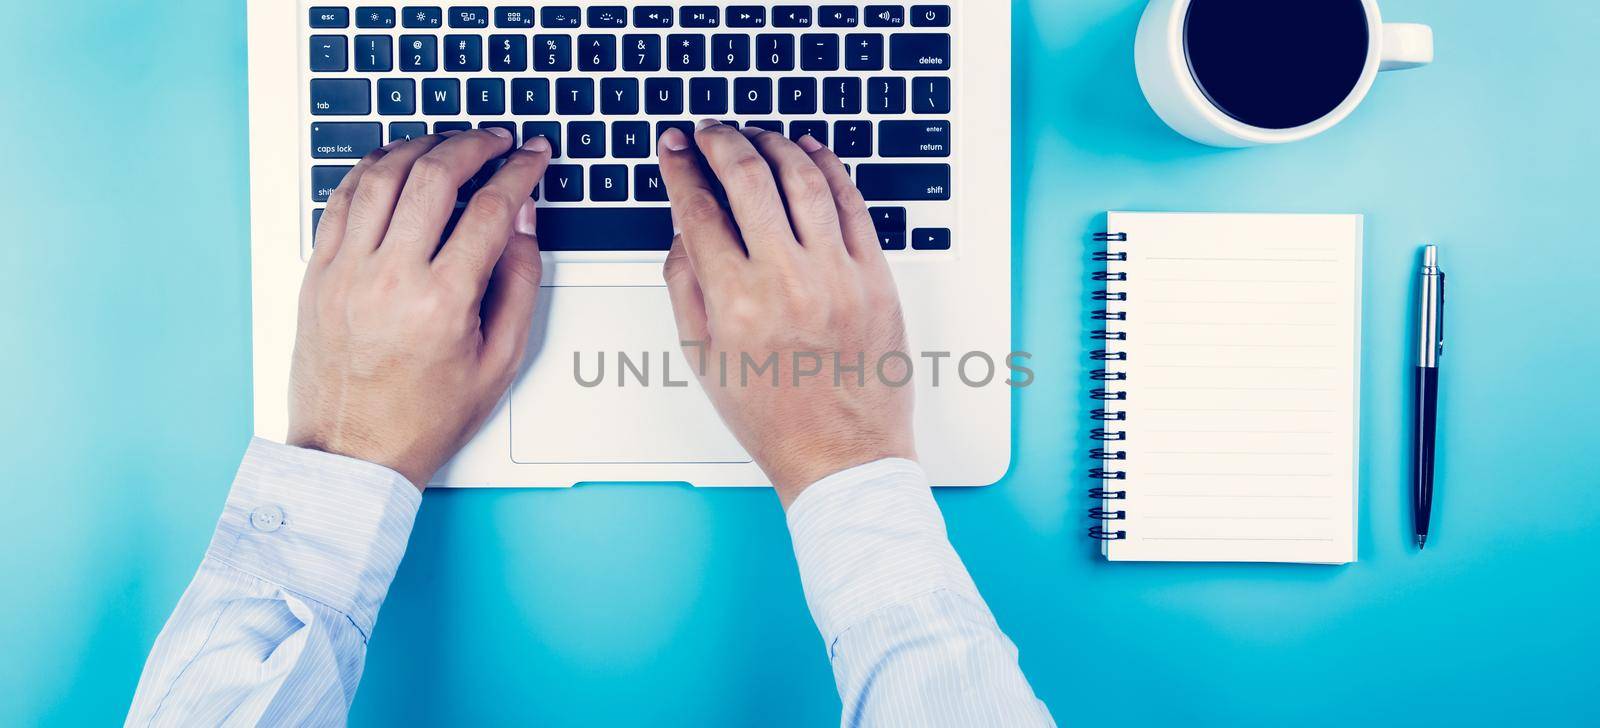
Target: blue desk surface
x=125, y=290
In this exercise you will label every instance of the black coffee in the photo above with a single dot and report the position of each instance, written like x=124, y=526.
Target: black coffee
x=1276, y=64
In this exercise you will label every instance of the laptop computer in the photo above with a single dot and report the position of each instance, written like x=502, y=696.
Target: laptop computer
x=915, y=97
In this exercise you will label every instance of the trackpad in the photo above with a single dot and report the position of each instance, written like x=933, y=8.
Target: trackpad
x=607, y=382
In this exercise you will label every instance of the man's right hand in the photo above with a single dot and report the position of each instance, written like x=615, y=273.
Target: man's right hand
x=796, y=272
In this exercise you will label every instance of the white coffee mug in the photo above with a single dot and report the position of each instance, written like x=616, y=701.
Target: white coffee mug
x=1175, y=95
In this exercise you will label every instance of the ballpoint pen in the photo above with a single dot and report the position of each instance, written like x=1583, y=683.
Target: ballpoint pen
x=1430, y=349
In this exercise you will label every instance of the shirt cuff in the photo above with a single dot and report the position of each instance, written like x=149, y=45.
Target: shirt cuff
x=324, y=526
x=872, y=537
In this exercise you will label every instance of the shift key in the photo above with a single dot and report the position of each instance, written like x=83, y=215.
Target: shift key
x=908, y=182
x=344, y=139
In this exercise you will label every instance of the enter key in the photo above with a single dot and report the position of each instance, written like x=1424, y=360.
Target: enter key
x=914, y=138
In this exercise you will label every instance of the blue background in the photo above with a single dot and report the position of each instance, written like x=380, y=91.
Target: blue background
x=124, y=286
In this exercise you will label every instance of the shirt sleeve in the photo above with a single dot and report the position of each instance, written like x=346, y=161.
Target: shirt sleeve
x=910, y=639
x=273, y=630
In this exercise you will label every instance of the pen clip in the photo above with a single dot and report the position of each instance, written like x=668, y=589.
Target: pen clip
x=1440, y=343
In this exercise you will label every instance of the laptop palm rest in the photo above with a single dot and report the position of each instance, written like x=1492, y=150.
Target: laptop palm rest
x=606, y=382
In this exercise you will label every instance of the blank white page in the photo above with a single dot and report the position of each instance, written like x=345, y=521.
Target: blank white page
x=1243, y=344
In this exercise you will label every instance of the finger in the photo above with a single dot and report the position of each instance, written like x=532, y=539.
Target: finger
x=430, y=192
x=812, y=211
x=751, y=188
x=709, y=237
x=372, y=208
x=509, y=304
x=688, y=301
x=505, y=200
x=860, y=236
x=329, y=234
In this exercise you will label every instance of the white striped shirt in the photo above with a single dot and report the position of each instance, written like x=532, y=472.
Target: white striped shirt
x=273, y=630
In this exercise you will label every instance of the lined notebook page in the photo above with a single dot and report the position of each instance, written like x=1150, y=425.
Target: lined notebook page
x=1243, y=387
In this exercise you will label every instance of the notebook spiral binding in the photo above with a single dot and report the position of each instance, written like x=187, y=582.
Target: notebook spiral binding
x=1104, y=454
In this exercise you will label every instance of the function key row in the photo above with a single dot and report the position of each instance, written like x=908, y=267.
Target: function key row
x=643, y=16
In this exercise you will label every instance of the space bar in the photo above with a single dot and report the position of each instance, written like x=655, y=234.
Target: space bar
x=605, y=228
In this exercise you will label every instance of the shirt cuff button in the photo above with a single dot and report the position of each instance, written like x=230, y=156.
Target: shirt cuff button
x=266, y=518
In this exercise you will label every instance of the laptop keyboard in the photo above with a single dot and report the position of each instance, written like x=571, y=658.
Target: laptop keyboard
x=602, y=82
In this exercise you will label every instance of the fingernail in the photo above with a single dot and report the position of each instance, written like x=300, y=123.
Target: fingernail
x=525, y=222
x=753, y=131
x=499, y=132
x=537, y=144
x=809, y=144
x=675, y=139
x=706, y=124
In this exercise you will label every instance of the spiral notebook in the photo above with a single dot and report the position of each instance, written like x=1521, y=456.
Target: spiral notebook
x=1228, y=398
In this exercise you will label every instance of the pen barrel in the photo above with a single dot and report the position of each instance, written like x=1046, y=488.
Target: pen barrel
x=1426, y=428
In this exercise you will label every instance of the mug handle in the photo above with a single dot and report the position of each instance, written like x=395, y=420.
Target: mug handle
x=1406, y=45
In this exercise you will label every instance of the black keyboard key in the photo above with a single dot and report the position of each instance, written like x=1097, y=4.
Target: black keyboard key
x=852, y=139
x=486, y=96
x=374, y=53
x=329, y=54
x=316, y=225
x=817, y=130
x=422, y=17
x=419, y=53
x=687, y=127
x=630, y=139
x=648, y=185
x=575, y=96
x=407, y=130
x=565, y=16
x=530, y=96
x=747, y=16
x=791, y=16
x=838, y=16
x=330, y=18
x=892, y=240
x=886, y=95
x=916, y=138
x=909, y=182
x=708, y=96
x=819, y=52
x=463, y=53
x=863, y=52
x=441, y=127
x=608, y=16
x=930, y=239
x=597, y=53
x=930, y=95
x=775, y=52
x=562, y=183
x=604, y=228
x=797, y=95
x=608, y=183
x=374, y=17
x=919, y=52
x=730, y=52
x=663, y=96
x=885, y=16
x=619, y=96
x=397, y=96
x=441, y=96
x=344, y=139
x=550, y=130
x=586, y=139
x=341, y=97
x=752, y=96
x=686, y=53
x=509, y=126
x=508, y=53
x=652, y=16
x=772, y=125
x=841, y=95
x=474, y=16
x=517, y=16
x=324, y=180
x=700, y=16
x=888, y=219
x=552, y=52
x=641, y=52
x=930, y=16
